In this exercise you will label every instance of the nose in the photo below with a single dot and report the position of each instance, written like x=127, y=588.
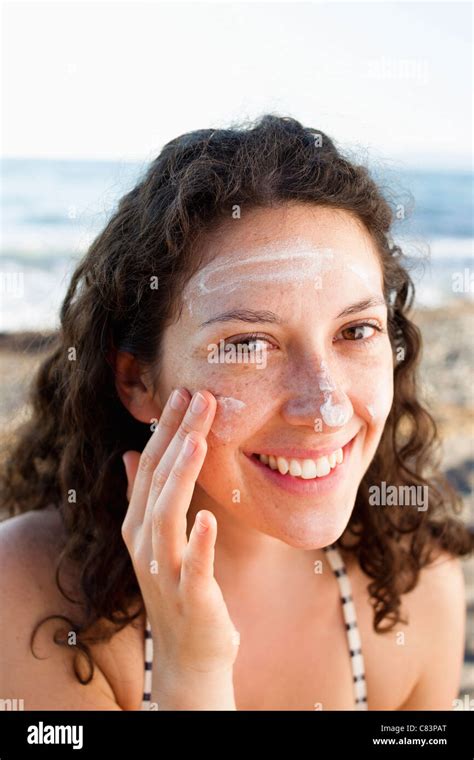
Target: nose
x=317, y=399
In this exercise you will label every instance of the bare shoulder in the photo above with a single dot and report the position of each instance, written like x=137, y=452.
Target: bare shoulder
x=438, y=598
x=29, y=547
x=437, y=607
x=419, y=661
x=42, y=675
x=30, y=536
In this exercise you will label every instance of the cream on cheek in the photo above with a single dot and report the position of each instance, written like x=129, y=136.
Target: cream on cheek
x=243, y=394
x=228, y=417
x=244, y=404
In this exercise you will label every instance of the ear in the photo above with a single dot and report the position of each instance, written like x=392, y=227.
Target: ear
x=134, y=387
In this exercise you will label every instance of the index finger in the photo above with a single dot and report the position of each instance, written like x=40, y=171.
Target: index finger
x=157, y=444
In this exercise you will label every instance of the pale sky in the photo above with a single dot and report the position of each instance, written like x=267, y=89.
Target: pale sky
x=115, y=80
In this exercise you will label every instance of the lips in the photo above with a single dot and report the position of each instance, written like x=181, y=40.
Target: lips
x=313, y=472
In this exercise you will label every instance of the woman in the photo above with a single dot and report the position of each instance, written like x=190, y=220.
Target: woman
x=239, y=335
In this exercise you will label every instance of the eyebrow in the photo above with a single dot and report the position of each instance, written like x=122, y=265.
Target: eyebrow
x=253, y=316
x=366, y=303
x=243, y=315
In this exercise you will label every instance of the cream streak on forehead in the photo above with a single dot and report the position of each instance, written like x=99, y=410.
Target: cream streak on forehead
x=295, y=261
x=370, y=277
x=298, y=260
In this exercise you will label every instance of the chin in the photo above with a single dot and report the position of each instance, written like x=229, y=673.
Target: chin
x=314, y=530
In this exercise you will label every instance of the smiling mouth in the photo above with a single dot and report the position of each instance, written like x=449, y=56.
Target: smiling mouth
x=304, y=469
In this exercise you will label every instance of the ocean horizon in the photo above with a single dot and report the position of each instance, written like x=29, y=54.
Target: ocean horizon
x=52, y=209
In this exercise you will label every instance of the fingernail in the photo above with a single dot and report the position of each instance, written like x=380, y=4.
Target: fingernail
x=199, y=403
x=189, y=446
x=177, y=401
x=201, y=526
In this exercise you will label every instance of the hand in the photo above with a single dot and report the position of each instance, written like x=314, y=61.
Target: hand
x=191, y=626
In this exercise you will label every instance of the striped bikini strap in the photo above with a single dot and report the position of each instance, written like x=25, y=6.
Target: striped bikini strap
x=350, y=619
x=146, y=700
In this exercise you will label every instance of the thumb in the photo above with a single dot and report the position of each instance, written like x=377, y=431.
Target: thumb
x=131, y=460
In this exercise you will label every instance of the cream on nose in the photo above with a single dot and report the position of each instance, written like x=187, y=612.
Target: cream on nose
x=320, y=400
x=336, y=410
x=336, y=414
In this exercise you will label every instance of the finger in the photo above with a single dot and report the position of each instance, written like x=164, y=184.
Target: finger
x=169, y=421
x=197, y=566
x=168, y=519
x=198, y=418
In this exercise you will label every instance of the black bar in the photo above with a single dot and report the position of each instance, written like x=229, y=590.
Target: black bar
x=149, y=735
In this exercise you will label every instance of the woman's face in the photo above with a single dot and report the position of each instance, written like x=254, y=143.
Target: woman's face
x=317, y=378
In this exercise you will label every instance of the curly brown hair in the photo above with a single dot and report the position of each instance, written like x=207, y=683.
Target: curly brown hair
x=79, y=429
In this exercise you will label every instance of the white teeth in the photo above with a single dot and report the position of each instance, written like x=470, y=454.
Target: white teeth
x=295, y=468
x=308, y=469
x=322, y=467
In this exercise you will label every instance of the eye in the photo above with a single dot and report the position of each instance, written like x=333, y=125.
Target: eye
x=254, y=341
x=360, y=332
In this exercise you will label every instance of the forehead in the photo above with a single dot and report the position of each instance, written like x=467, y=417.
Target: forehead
x=293, y=245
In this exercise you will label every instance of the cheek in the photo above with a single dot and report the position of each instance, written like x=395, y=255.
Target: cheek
x=244, y=398
x=232, y=416
x=243, y=405
x=372, y=393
